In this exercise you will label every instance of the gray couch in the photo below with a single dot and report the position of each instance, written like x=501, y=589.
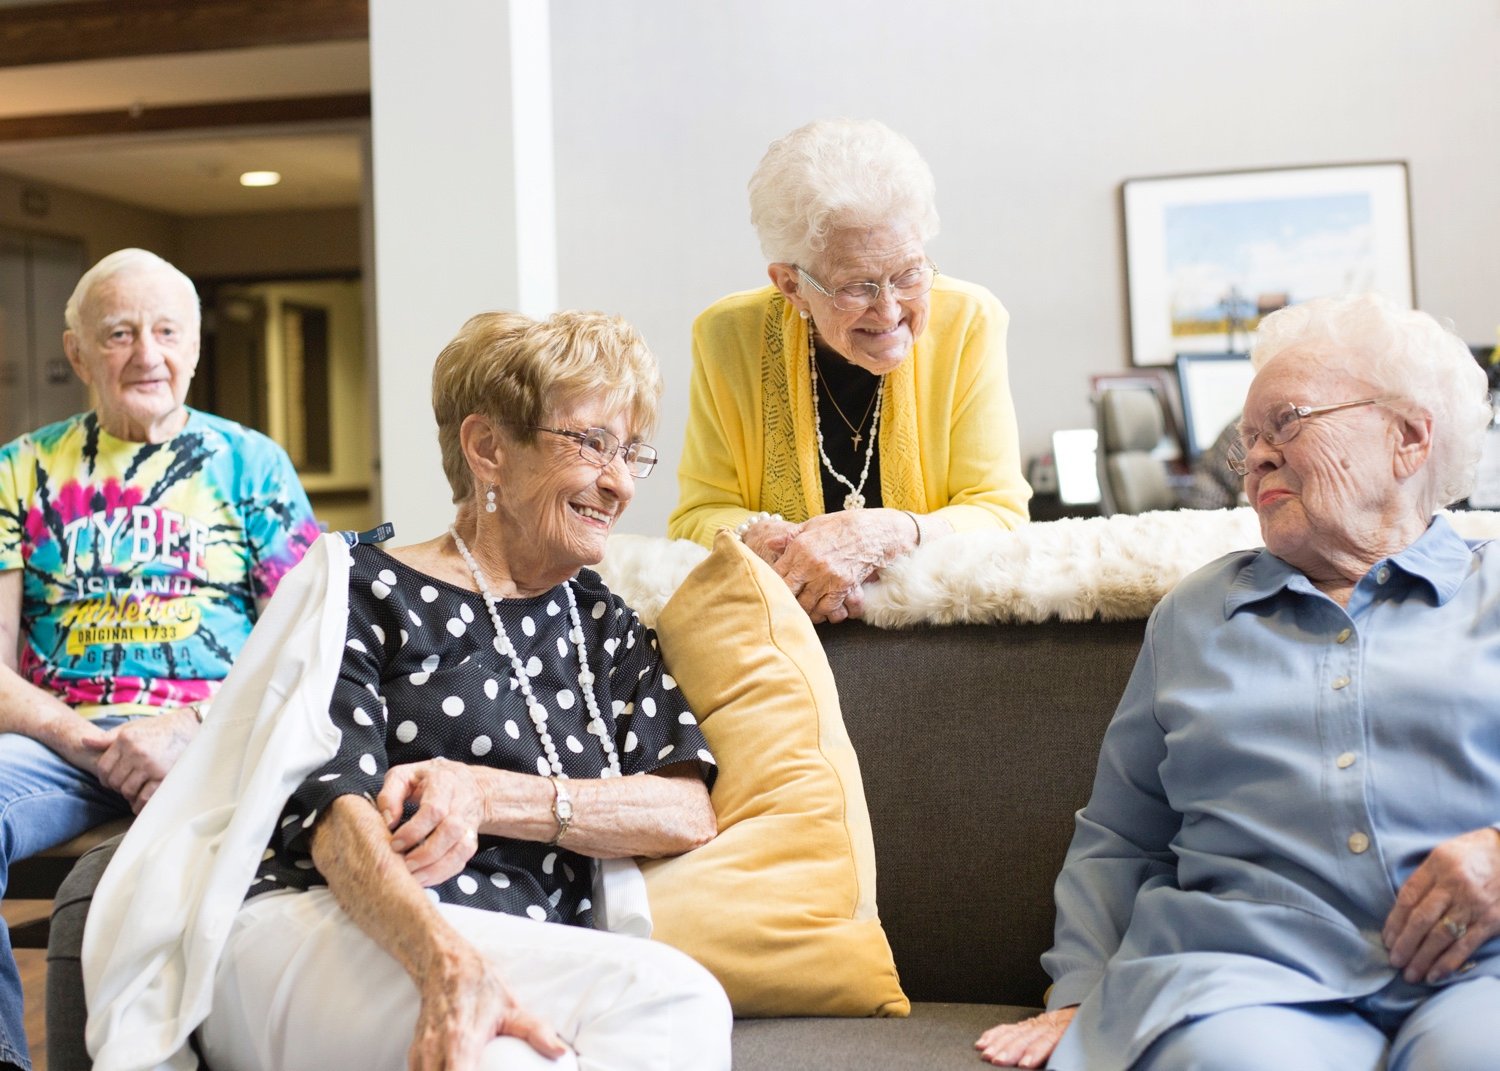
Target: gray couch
x=976, y=744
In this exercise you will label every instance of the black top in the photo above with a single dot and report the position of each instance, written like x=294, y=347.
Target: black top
x=422, y=677
x=853, y=389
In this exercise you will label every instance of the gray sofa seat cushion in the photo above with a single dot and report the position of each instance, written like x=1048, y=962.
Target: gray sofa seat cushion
x=936, y=1037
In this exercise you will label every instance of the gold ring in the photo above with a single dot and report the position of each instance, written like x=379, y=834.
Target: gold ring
x=1456, y=930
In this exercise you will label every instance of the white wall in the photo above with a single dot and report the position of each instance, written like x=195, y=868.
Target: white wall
x=448, y=155
x=1030, y=113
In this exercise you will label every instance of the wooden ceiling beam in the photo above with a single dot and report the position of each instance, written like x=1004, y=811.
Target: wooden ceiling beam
x=110, y=29
x=186, y=117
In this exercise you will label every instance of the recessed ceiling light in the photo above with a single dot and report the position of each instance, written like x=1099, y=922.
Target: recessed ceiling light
x=260, y=178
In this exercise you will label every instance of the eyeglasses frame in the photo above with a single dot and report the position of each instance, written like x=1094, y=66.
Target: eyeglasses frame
x=624, y=450
x=1238, y=459
x=832, y=295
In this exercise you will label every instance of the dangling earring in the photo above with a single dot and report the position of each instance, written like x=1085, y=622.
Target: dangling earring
x=489, y=500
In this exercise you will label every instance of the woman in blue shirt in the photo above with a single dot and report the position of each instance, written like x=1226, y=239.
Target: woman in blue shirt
x=1291, y=857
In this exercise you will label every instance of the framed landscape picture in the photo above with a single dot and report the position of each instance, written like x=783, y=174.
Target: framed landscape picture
x=1208, y=255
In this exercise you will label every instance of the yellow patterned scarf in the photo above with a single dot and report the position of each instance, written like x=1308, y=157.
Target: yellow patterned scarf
x=792, y=484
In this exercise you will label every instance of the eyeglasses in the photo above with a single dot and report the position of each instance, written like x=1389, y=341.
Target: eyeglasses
x=599, y=446
x=856, y=297
x=1282, y=424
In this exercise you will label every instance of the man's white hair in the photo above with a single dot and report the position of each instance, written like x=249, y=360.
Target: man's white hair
x=112, y=265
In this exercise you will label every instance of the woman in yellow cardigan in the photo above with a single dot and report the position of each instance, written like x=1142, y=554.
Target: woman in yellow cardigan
x=859, y=405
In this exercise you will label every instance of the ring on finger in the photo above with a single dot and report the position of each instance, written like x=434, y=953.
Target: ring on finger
x=1455, y=929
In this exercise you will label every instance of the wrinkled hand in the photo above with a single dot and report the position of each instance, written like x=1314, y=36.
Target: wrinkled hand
x=77, y=740
x=1025, y=1044
x=465, y=1005
x=769, y=538
x=828, y=559
x=134, y=757
x=443, y=835
x=1448, y=907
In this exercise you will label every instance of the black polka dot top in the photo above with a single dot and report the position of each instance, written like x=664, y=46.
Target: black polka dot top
x=422, y=677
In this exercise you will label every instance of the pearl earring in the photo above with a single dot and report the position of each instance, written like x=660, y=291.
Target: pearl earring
x=489, y=500
x=802, y=313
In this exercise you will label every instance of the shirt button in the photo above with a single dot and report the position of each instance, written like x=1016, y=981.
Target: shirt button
x=1382, y=574
x=1340, y=682
x=1343, y=636
x=1346, y=760
x=1358, y=843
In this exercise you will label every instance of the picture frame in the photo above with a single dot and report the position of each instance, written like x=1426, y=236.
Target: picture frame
x=1213, y=388
x=1207, y=255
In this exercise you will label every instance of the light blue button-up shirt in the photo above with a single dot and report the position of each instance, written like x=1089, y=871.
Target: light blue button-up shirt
x=1277, y=768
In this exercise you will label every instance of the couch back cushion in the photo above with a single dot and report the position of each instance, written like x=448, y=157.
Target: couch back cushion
x=781, y=905
x=977, y=744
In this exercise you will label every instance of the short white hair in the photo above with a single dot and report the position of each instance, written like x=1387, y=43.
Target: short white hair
x=118, y=261
x=834, y=174
x=1418, y=365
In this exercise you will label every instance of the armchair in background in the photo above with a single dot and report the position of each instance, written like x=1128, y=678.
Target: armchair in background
x=1131, y=478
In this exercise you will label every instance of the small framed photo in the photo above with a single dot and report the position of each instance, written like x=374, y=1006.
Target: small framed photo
x=1208, y=255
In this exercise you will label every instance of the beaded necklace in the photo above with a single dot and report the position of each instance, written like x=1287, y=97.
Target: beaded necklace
x=855, y=499
x=535, y=709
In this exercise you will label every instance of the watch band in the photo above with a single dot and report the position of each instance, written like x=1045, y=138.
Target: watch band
x=562, y=808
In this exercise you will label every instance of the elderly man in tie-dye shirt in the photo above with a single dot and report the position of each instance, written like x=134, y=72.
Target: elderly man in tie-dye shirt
x=138, y=542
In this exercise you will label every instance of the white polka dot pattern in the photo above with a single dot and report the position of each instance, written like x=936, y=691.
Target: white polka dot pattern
x=426, y=653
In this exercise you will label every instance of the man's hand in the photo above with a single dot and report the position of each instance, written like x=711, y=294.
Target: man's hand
x=134, y=757
x=77, y=740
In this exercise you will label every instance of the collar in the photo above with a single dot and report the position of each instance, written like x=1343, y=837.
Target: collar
x=1439, y=558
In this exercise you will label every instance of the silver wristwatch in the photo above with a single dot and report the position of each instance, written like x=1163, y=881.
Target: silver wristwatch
x=562, y=808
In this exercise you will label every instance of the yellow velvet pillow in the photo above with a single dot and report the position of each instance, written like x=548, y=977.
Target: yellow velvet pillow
x=781, y=905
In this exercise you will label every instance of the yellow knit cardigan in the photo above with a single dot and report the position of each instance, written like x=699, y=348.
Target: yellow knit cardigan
x=948, y=442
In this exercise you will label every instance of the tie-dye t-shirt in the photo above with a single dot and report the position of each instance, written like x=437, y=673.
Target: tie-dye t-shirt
x=143, y=562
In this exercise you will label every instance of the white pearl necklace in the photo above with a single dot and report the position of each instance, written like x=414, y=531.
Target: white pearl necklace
x=855, y=499
x=534, y=708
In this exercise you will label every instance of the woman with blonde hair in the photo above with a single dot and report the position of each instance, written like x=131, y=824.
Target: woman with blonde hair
x=499, y=723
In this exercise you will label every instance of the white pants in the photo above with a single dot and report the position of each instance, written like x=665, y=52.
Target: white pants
x=300, y=986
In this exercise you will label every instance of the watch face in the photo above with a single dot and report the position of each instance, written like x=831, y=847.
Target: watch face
x=563, y=809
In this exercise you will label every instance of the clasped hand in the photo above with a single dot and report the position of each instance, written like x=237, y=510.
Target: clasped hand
x=464, y=1001
x=1447, y=908
x=823, y=561
x=133, y=758
x=440, y=838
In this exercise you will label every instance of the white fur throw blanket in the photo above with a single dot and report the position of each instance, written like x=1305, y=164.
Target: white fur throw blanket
x=1115, y=568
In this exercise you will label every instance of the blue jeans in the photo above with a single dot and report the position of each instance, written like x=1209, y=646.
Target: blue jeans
x=44, y=801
